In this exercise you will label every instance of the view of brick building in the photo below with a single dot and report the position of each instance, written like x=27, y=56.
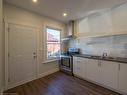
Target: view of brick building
x=53, y=45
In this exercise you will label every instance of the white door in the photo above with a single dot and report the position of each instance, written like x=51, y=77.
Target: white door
x=93, y=70
x=22, y=54
x=109, y=74
x=123, y=77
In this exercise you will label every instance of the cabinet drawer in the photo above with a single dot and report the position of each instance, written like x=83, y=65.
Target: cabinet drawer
x=78, y=59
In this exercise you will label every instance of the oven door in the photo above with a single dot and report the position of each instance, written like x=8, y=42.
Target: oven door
x=66, y=62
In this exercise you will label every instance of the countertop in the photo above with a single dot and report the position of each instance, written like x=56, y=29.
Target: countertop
x=114, y=59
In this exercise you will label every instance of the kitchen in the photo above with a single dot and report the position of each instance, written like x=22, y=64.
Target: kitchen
x=80, y=47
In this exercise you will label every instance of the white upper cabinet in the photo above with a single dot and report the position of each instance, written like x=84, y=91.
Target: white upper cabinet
x=123, y=78
x=109, y=74
x=100, y=23
x=97, y=24
x=83, y=26
x=104, y=23
x=119, y=19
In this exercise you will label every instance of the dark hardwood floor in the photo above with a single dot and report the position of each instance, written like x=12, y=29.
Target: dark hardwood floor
x=59, y=84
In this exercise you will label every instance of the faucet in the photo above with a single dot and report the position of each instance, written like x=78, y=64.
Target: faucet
x=104, y=55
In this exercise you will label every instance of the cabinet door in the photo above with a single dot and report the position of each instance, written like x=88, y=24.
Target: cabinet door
x=123, y=78
x=84, y=62
x=79, y=66
x=109, y=74
x=100, y=24
x=119, y=15
x=93, y=70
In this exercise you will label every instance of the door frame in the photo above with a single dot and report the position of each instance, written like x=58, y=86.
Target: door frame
x=7, y=51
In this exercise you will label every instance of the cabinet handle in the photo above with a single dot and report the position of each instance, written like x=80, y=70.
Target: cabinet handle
x=119, y=67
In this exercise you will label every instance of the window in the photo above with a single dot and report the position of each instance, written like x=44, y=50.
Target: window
x=53, y=43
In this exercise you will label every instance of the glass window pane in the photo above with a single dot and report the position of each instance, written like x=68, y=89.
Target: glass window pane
x=53, y=43
x=53, y=35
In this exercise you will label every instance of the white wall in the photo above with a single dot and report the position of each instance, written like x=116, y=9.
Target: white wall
x=1, y=48
x=17, y=15
x=112, y=21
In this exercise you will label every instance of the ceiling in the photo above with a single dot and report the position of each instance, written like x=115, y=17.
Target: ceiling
x=74, y=8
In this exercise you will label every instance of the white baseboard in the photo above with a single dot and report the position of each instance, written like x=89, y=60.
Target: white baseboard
x=48, y=72
x=20, y=83
x=1, y=90
x=31, y=79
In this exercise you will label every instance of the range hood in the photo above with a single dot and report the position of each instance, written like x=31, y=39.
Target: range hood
x=70, y=31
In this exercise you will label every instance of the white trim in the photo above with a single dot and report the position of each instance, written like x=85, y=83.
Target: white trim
x=6, y=56
x=15, y=23
x=20, y=83
x=45, y=42
x=45, y=39
x=38, y=52
x=48, y=72
x=7, y=86
x=2, y=90
x=32, y=78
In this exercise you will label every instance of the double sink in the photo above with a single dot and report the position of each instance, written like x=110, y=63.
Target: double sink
x=100, y=57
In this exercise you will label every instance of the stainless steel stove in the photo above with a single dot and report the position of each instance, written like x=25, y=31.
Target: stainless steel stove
x=66, y=60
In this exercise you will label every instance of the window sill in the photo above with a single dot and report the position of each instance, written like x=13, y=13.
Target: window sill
x=49, y=61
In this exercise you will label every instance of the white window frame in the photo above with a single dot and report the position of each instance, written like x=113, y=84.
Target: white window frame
x=46, y=58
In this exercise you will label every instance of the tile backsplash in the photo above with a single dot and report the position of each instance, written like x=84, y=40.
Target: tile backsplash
x=115, y=46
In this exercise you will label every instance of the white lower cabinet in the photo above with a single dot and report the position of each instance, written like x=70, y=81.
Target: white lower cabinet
x=79, y=66
x=93, y=70
x=123, y=77
x=103, y=72
x=109, y=74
